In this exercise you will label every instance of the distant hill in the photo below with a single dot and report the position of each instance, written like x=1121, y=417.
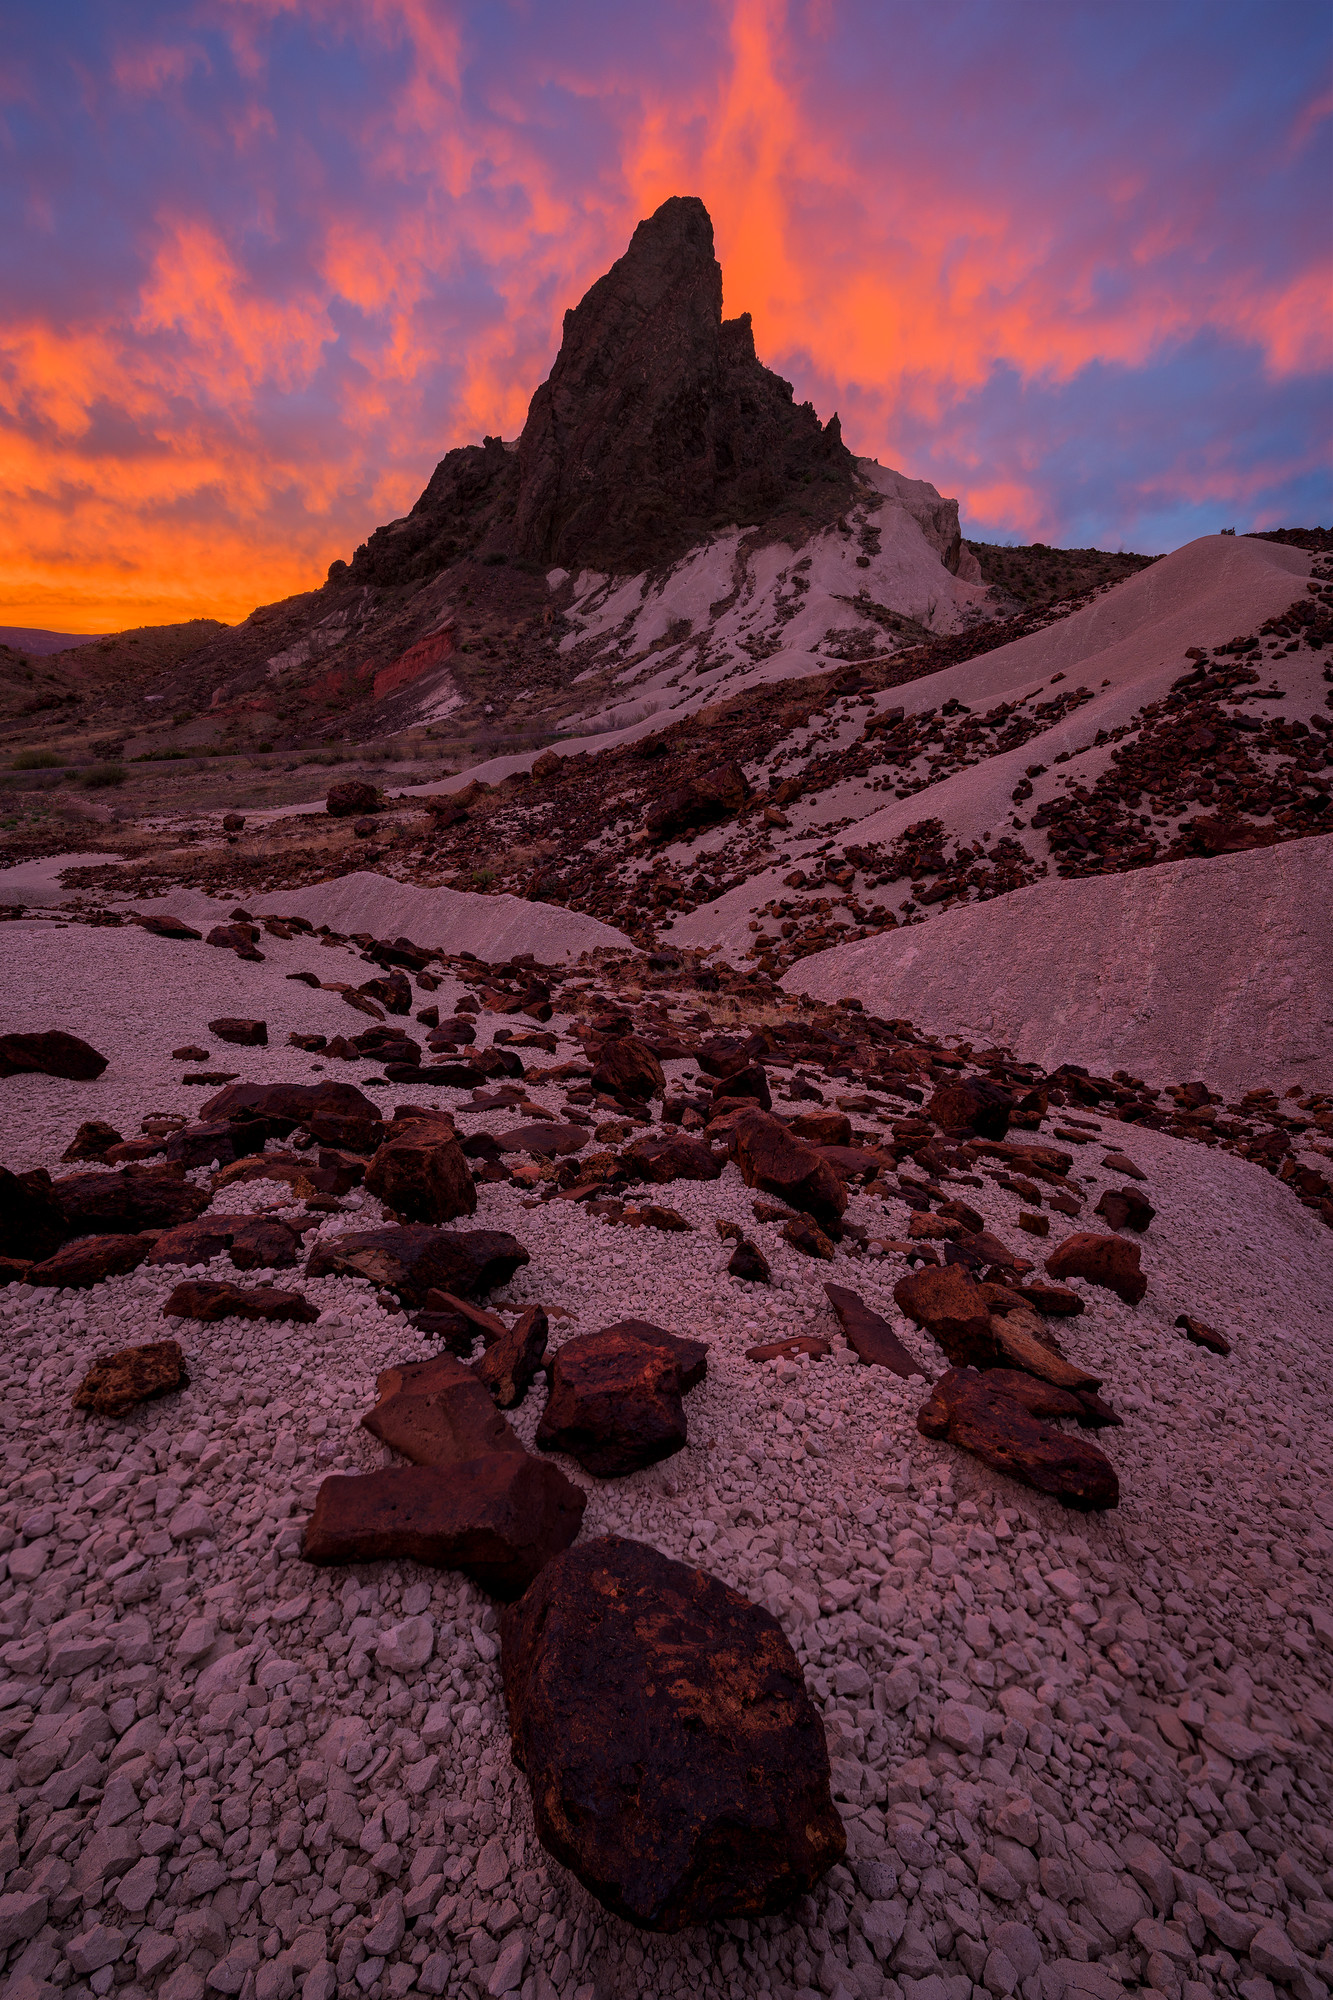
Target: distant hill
x=27, y=639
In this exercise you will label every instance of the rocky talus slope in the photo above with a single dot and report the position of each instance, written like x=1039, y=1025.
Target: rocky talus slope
x=951, y=1428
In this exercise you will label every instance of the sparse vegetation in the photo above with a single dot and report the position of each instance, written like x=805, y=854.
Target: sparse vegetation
x=37, y=760
x=98, y=776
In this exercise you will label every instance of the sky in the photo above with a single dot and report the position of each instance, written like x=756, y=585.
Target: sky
x=262, y=262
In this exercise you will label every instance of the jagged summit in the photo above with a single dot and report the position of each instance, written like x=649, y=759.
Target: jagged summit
x=657, y=423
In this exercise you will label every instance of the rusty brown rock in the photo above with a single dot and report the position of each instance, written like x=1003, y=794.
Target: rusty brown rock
x=204, y=1299
x=749, y=1263
x=421, y=1175
x=1057, y=1300
x=975, y=1413
x=129, y=1200
x=337, y=1114
x=804, y=1234
x=772, y=1158
x=262, y=1243
x=812, y=1344
x=437, y=1413
x=1103, y=1260
x=972, y=1105
x=1019, y=1339
x=245, y=1034
x=543, y=1141
x=351, y=799
x=53, y=1053
x=1125, y=1208
x=676, y=1762
x=616, y=1397
x=411, y=1259
x=743, y=1085
x=193, y=1242
x=1045, y=1399
x=499, y=1518
x=871, y=1338
x=92, y=1141
x=674, y=1157
x=627, y=1068
x=952, y=1308
x=1203, y=1335
x=822, y=1128
x=118, y=1382
x=32, y=1221
x=90, y=1259
x=509, y=1366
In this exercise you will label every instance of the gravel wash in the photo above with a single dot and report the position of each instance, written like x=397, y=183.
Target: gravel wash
x=1074, y=1755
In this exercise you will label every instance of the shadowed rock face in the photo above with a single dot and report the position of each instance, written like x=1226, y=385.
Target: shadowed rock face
x=658, y=421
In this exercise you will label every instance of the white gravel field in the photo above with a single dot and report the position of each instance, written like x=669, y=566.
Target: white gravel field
x=1074, y=1754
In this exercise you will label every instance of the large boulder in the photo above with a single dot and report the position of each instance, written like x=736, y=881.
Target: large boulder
x=952, y=1308
x=498, y=1517
x=53, y=1053
x=627, y=1068
x=263, y=1243
x=351, y=799
x=129, y=1200
x=714, y=795
x=747, y=1084
x=246, y=1034
x=209, y=1300
x=1101, y=1260
x=981, y=1415
x=773, y=1159
x=91, y=1259
x=93, y=1141
x=337, y=1114
x=677, y=1764
x=32, y=1221
x=972, y=1105
x=509, y=1366
x=118, y=1382
x=193, y=1242
x=616, y=1397
x=870, y=1337
x=420, y=1173
x=437, y=1413
x=412, y=1259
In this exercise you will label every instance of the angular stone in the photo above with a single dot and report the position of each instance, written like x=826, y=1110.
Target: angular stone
x=714, y=795
x=118, y=1382
x=263, y=1243
x=208, y=1300
x=1233, y=1929
x=92, y=1141
x=972, y=1105
x=672, y=1157
x=1056, y=1300
x=1103, y=1260
x=437, y=1413
x=509, y=1366
x=964, y=1409
x=351, y=799
x=773, y=1159
x=781, y=1350
x=245, y=1034
x=168, y=927
x=1203, y=1335
x=749, y=1262
x=871, y=1338
x=1019, y=1338
x=822, y=1128
x=952, y=1308
x=627, y=1068
x=1041, y=1398
x=677, y=1764
x=129, y=1200
x=337, y=1114
x=32, y=1221
x=543, y=1141
x=498, y=1518
x=742, y=1085
x=421, y=1175
x=804, y=1234
x=91, y=1259
x=1125, y=1208
x=192, y=1242
x=616, y=1397
x=413, y=1260
x=53, y=1053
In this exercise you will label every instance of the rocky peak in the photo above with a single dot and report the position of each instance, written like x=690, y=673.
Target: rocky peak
x=658, y=421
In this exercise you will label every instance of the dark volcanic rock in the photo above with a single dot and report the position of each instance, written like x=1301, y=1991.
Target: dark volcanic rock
x=32, y=1221
x=616, y=1397
x=510, y=1363
x=544, y=1141
x=92, y=1141
x=204, y=1299
x=676, y=1762
x=499, y=1518
x=420, y=1173
x=871, y=1338
x=657, y=421
x=414, y=1259
x=117, y=1382
x=168, y=927
x=262, y=1243
x=129, y=1200
x=1203, y=1335
x=51, y=1054
x=91, y=1259
x=747, y=1082
x=628, y=1069
x=337, y=1114
x=351, y=799
x=973, y=1106
x=805, y=1235
x=977, y=1414
x=193, y=1242
x=702, y=801
x=749, y=1262
x=437, y=1413
x=770, y=1158
x=1125, y=1208
x=672, y=1157
x=245, y=1034
x=1102, y=1260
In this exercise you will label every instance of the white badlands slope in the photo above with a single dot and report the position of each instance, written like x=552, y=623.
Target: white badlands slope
x=1070, y=1753
x=1219, y=969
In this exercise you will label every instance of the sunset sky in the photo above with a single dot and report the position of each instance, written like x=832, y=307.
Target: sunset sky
x=263, y=261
